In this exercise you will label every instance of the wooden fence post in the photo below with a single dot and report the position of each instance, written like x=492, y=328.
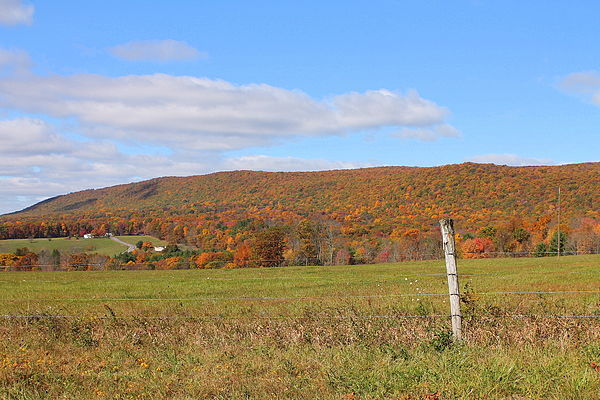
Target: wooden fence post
x=447, y=226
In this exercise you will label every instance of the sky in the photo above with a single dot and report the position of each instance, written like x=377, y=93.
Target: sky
x=104, y=92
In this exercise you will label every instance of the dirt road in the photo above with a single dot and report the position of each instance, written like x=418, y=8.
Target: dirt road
x=130, y=247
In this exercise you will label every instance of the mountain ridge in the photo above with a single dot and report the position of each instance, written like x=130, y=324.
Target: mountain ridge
x=338, y=216
x=146, y=190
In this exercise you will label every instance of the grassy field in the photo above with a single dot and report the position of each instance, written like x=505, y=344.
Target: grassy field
x=144, y=238
x=303, y=333
x=103, y=246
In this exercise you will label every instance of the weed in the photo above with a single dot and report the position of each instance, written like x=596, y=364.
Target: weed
x=82, y=334
x=442, y=340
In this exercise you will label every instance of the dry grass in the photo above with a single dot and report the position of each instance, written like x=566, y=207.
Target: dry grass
x=306, y=358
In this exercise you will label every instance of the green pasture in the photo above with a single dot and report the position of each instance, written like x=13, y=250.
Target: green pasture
x=103, y=246
x=342, y=332
x=402, y=288
x=131, y=239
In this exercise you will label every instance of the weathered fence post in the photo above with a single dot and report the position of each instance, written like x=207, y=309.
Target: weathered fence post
x=447, y=226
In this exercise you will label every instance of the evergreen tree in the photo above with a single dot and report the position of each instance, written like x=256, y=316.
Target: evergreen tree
x=541, y=250
x=553, y=249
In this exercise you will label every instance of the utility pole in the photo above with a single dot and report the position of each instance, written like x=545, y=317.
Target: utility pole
x=558, y=230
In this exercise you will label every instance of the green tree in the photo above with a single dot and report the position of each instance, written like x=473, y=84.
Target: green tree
x=488, y=232
x=55, y=258
x=521, y=235
x=541, y=250
x=553, y=248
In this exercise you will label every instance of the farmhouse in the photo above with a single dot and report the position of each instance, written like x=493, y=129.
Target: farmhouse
x=90, y=236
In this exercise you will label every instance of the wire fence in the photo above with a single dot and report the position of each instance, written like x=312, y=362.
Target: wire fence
x=294, y=317
x=216, y=264
x=18, y=315
x=374, y=296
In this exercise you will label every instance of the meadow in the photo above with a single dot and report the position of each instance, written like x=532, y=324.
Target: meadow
x=335, y=332
x=133, y=239
x=103, y=246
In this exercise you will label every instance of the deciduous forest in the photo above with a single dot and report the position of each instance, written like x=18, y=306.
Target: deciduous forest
x=384, y=214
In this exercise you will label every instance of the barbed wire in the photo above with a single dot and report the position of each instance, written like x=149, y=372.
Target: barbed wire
x=412, y=275
x=270, y=298
x=317, y=317
x=562, y=252
x=294, y=317
x=533, y=315
x=348, y=277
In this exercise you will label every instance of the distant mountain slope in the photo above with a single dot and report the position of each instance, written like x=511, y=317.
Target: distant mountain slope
x=223, y=209
x=398, y=190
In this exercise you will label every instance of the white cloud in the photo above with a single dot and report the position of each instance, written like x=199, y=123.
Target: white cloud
x=37, y=162
x=14, y=12
x=385, y=108
x=156, y=50
x=427, y=134
x=14, y=60
x=28, y=136
x=269, y=163
x=200, y=113
x=586, y=84
x=510, y=159
x=185, y=124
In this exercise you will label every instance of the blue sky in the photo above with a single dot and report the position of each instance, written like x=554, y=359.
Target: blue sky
x=98, y=93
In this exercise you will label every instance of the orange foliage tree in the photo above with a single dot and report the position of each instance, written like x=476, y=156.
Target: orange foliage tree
x=476, y=248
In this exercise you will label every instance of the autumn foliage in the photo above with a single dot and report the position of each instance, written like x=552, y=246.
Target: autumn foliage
x=477, y=248
x=347, y=216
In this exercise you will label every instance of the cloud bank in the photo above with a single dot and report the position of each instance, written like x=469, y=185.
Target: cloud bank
x=269, y=163
x=510, y=159
x=205, y=114
x=38, y=162
x=135, y=127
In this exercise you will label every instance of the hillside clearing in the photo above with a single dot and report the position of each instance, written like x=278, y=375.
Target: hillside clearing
x=103, y=246
x=133, y=239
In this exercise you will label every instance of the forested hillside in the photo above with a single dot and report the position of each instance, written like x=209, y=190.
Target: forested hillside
x=359, y=215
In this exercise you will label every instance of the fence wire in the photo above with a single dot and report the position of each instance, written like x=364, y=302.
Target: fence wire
x=290, y=317
x=283, y=262
x=272, y=298
x=296, y=298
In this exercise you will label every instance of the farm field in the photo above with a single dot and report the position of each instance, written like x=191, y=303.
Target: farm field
x=133, y=239
x=342, y=332
x=103, y=246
